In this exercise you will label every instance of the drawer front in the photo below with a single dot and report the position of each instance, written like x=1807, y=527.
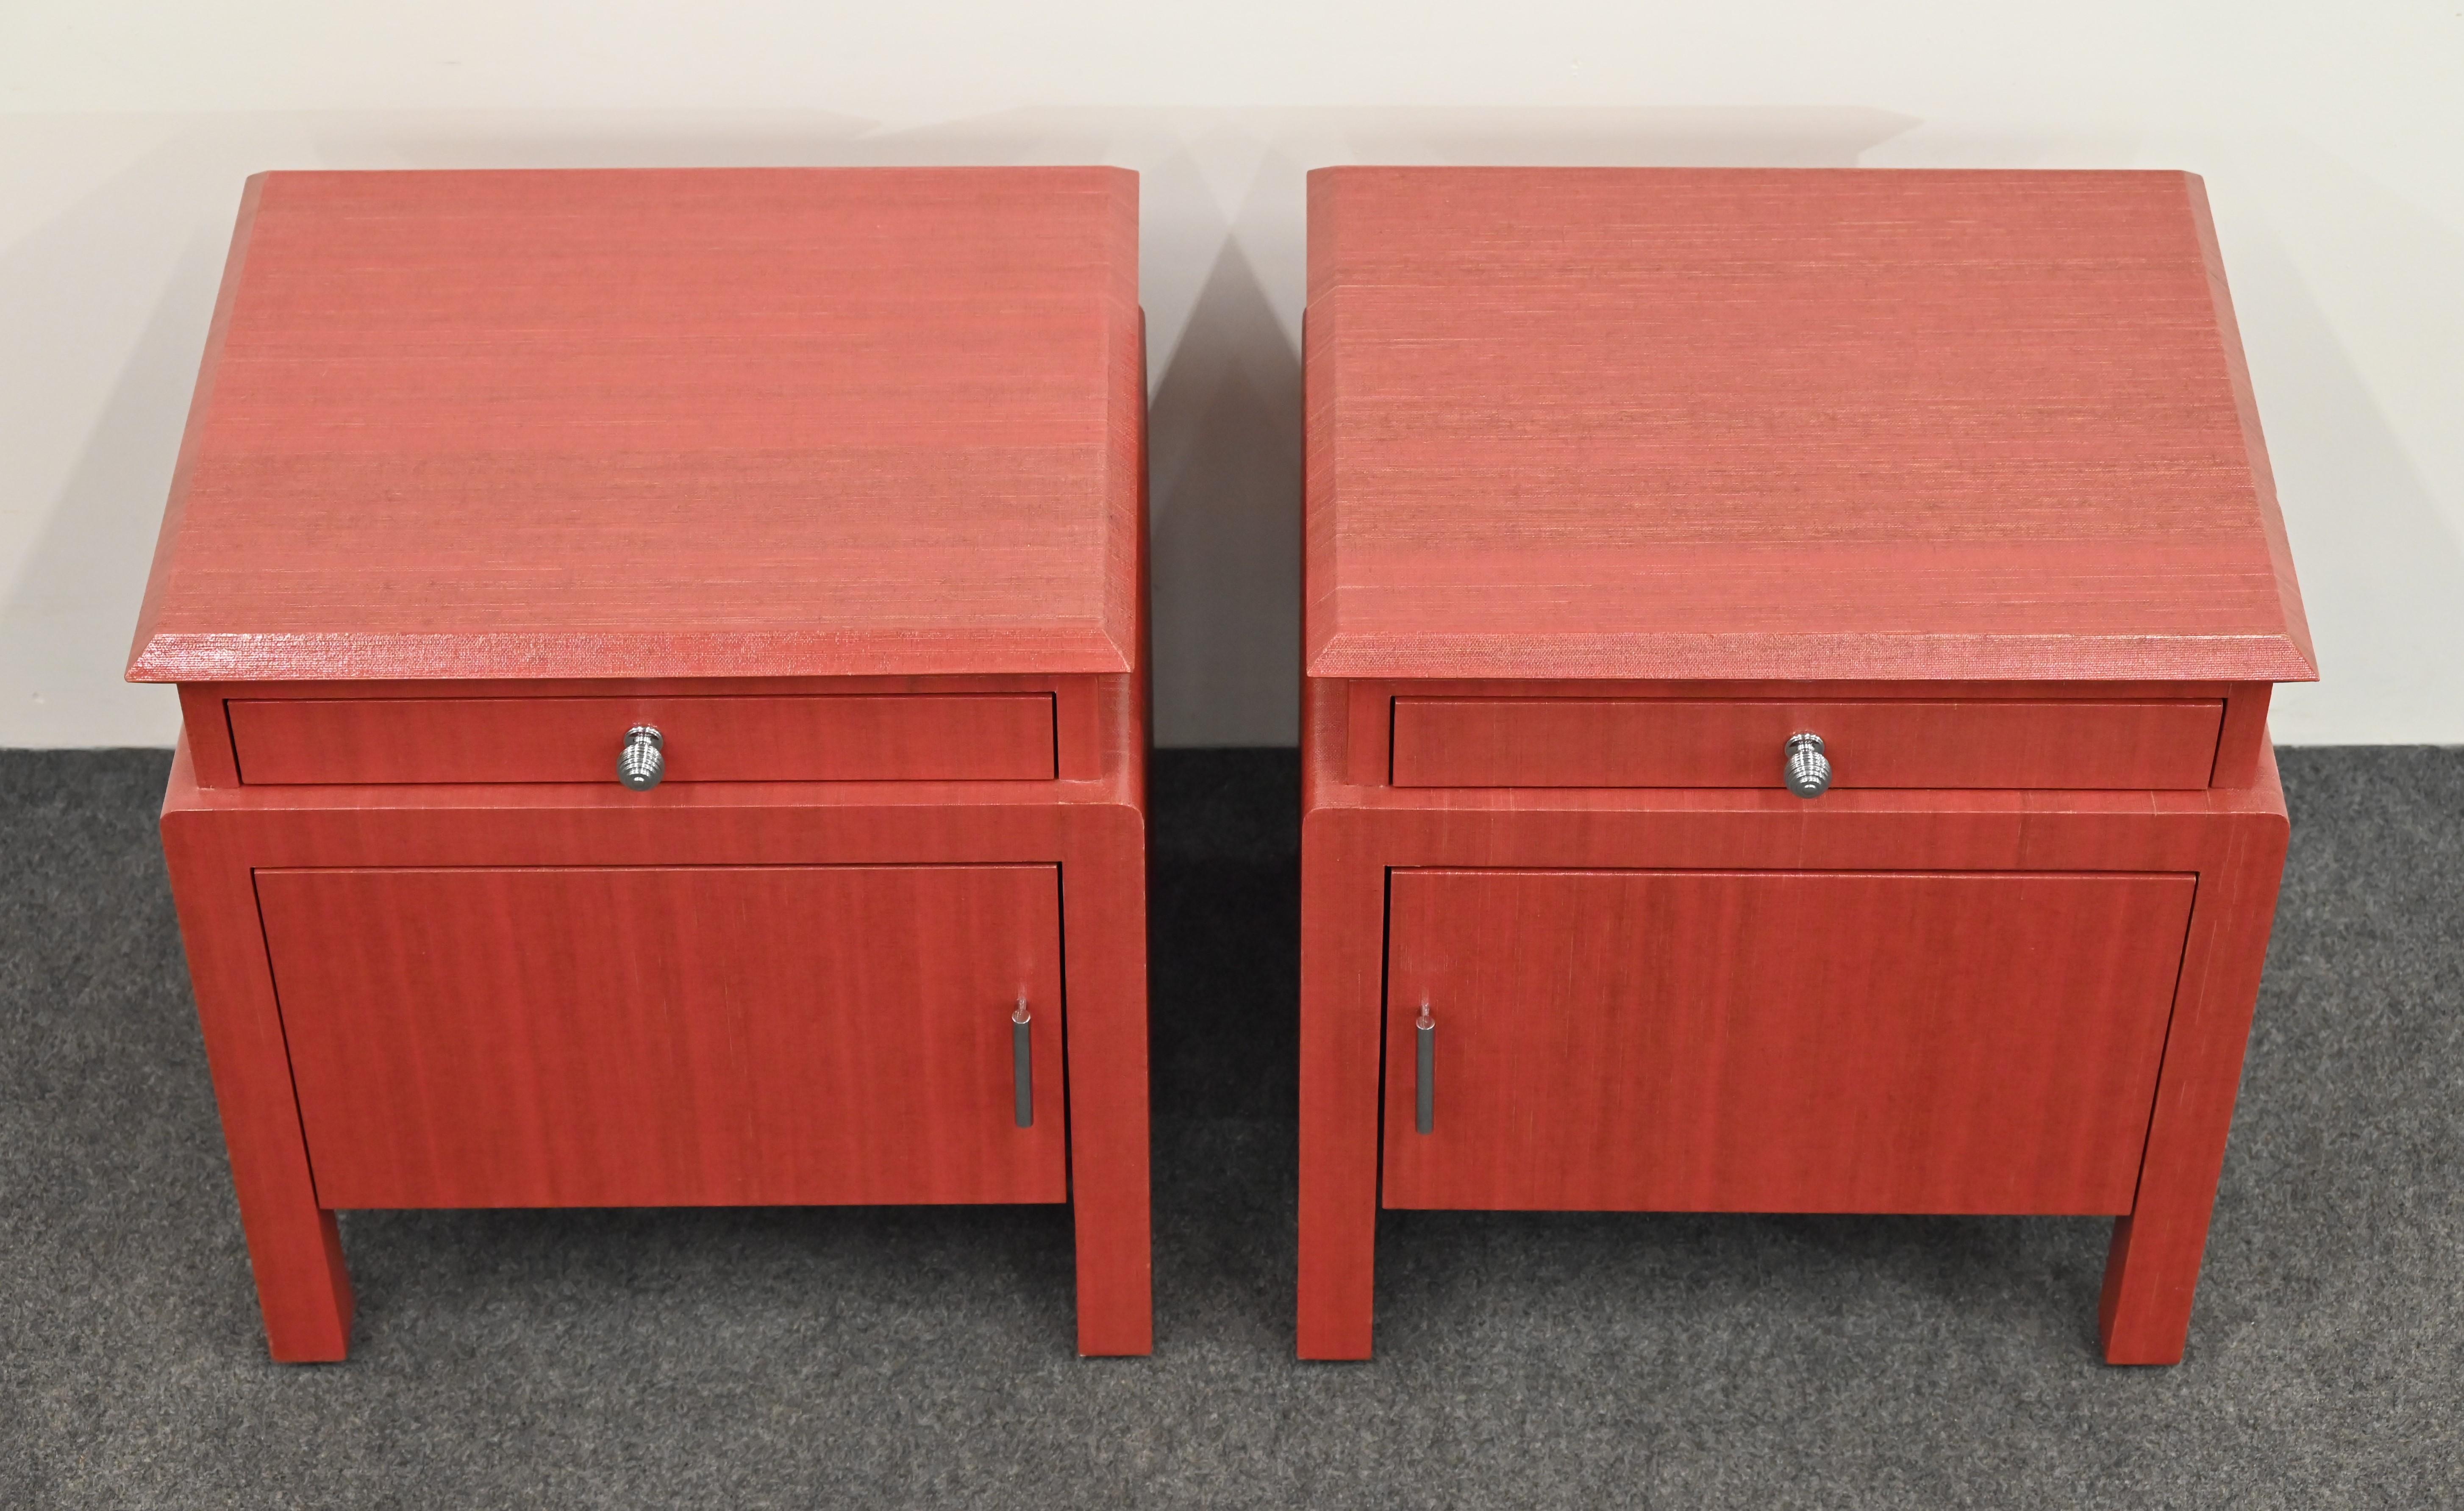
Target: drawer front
x=988, y=736
x=1686, y=742
x=1777, y=1041
x=630, y=1037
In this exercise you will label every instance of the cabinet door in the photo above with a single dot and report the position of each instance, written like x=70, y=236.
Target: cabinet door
x=1777, y=1041
x=622, y=1036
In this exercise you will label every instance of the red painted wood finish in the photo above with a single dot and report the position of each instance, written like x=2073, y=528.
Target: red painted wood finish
x=1610, y=442
x=670, y=1036
x=1669, y=742
x=1081, y=706
x=647, y=438
x=662, y=423
x=1368, y=713
x=2232, y=840
x=216, y=839
x=921, y=737
x=1777, y=1040
x=1808, y=425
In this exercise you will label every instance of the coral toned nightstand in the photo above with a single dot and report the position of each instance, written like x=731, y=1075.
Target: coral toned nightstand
x=1787, y=659
x=662, y=658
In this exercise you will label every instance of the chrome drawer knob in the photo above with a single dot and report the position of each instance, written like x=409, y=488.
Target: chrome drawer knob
x=1808, y=769
x=639, y=765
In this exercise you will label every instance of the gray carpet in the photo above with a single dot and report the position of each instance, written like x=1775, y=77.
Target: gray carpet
x=920, y=1357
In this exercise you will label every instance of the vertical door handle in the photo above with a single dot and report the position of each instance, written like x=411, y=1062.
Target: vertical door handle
x=1022, y=1059
x=1424, y=1110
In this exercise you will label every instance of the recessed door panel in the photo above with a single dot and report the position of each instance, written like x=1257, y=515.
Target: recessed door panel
x=1783, y=1041
x=619, y=1036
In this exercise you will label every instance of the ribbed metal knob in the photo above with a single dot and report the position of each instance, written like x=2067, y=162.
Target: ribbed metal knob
x=1807, y=769
x=639, y=765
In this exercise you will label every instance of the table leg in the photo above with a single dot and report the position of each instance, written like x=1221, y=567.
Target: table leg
x=292, y=1244
x=1343, y=938
x=1104, y=924
x=2152, y=1271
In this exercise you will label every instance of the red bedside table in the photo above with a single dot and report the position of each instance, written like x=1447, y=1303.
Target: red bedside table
x=1621, y=480
x=833, y=479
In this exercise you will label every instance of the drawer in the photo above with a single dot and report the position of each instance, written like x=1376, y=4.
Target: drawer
x=842, y=737
x=656, y=1037
x=1776, y=1041
x=1878, y=742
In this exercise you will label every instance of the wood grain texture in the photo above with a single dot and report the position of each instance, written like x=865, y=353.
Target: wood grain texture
x=1670, y=742
x=1812, y=425
x=1343, y=953
x=293, y=1247
x=206, y=730
x=661, y=423
x=670, y=1036
x=1104, y=925
x=2271, y=514
x=1352, y=835
x=1363, y=727
x=959, y=737
x=2242, y=746
x=1082, y=704
x=1078, y=725
x=1103, y=930
x=837, y=475
x=1093, y=831
x=2152, y=1271
x=1778, y=1040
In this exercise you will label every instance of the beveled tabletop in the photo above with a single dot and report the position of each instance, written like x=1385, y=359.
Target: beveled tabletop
x=1799, y=423
x=662, y=423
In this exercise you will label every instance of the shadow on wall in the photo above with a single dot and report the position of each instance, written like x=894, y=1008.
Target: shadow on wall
x=2379, y=551
x=118, y=285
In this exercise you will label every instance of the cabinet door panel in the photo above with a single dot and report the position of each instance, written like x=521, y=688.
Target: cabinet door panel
x=619, y=1036
x=1782, y=1041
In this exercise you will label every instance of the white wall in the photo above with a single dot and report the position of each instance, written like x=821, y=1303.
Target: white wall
x=2332, y=138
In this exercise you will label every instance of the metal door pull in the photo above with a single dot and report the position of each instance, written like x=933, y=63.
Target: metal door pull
x=1425, y=1092
x=1021, y=1056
